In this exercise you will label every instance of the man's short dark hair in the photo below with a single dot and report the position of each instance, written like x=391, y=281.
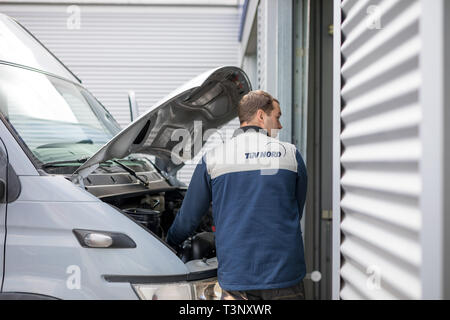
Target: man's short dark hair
x=252, y=102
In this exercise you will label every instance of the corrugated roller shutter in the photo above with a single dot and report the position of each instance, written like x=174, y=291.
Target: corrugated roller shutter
x=380, y=180
x=148, y=49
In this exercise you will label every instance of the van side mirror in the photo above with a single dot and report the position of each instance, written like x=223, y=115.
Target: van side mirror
x=2, y=191
x=134, y=108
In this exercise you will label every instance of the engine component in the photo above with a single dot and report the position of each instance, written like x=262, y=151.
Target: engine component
x=155, y=202
x=150, y=219
x=200, y=246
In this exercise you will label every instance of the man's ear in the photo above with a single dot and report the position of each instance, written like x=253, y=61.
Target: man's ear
x=260, y=115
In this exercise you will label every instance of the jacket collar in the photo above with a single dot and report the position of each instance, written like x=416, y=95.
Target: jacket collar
x=251, y=128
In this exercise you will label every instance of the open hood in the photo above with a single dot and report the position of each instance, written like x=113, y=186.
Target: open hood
x=211, y=98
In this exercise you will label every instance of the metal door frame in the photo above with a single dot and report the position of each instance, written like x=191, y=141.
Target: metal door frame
x=435, y=134
x=336, y=237
x=319, y=150
x=3, y=207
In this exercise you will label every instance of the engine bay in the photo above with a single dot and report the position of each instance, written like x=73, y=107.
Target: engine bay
x=143, y=193
x=156, y=213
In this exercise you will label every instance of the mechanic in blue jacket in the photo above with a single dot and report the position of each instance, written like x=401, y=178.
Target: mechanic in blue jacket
x=257, y=185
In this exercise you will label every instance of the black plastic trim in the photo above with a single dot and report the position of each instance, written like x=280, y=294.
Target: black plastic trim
x=193, y=276
x=11, y=181
x=120, y=240
x=14, y=186
x=142, y=134
x=34, y=161
x=25, y=296
x=127, y=194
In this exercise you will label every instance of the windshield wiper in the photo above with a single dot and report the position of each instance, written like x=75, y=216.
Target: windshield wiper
x=55, y=163
x=132, y=172
x=64, y=144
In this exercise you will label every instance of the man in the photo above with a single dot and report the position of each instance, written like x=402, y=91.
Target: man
x=257, y=186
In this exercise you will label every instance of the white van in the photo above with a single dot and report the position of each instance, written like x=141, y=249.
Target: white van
x=84, y=208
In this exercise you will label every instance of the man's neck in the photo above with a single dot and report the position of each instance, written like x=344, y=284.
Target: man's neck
x=250, y=127
x=249, y=124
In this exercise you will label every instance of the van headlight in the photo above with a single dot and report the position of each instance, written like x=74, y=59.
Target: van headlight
x=195, y=290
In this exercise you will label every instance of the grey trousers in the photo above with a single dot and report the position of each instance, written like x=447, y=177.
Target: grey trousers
x=296, y=292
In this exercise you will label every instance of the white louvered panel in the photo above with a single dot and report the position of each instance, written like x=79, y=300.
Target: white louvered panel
x=148, y=49
x=381, y=150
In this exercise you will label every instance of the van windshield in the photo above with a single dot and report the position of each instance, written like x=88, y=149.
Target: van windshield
x=57, y=119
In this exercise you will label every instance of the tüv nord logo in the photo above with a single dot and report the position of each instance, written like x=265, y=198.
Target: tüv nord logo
x=267, y=154
x=263, y=154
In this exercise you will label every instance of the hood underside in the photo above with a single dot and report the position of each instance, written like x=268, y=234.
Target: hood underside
x=209, y=101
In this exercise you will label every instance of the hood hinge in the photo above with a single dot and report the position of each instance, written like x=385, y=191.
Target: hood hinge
x=78, y=178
